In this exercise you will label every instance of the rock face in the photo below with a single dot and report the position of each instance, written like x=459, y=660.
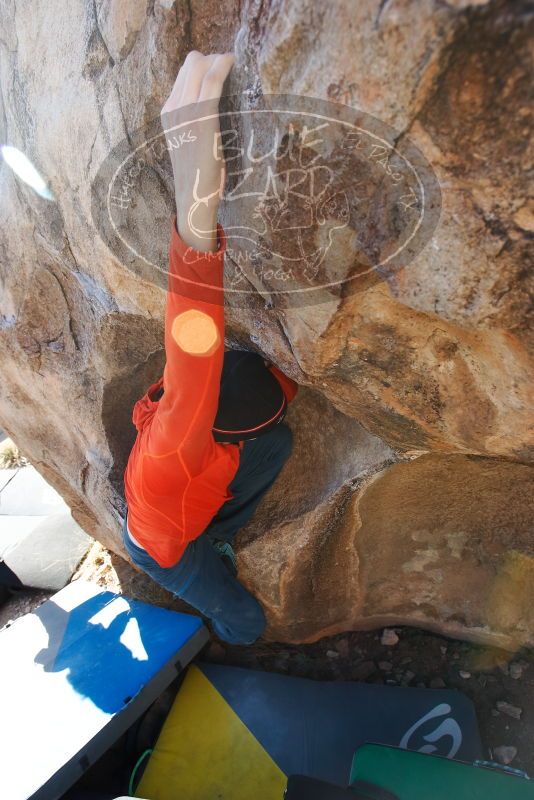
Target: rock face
x=423, y=515
x=441, y=541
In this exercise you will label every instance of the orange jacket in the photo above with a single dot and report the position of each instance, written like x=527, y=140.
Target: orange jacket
x=177, y=475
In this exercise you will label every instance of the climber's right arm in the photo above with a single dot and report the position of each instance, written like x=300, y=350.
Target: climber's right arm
x=194, y=315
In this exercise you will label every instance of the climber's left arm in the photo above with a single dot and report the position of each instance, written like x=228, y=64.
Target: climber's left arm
x=190, y=119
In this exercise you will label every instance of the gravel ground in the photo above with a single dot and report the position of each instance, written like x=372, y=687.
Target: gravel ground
x=500, y=684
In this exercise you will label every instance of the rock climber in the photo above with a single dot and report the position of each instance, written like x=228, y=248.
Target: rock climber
x=210, y=433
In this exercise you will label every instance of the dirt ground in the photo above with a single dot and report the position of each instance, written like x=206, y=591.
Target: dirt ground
x=500, y=684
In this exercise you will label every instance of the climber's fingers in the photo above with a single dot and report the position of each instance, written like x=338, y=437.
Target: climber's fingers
x=186, y=77
x=214, y=78
x=177, y=89
x=194, y=68
x=200, y=78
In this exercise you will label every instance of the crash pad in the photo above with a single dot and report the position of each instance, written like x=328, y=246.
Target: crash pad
x=6, y=475
x=75, y=674
x=234, y=733
x=27, y=493
x=43, y=552
x=40, y=542
x=419, y=776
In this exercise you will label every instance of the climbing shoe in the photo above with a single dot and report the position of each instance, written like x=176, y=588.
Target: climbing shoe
x=227, y=555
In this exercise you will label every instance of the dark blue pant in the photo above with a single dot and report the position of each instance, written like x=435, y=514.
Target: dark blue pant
x=200, y=577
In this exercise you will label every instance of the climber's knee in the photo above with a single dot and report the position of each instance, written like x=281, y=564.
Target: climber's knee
x=280, y=439
x=284, y=440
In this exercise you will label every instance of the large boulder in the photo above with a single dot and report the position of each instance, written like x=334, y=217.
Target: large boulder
x=440, y=541
x=406, y=497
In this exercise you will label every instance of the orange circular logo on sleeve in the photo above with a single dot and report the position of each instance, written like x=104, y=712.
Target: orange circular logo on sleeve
x=195, y=332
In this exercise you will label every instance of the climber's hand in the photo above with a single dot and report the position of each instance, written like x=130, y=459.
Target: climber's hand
x=190, y=119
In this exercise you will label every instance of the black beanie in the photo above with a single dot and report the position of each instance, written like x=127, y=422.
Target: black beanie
x=251, y=400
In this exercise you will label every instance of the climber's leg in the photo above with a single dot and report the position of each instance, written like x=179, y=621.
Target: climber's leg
x=261, y=461
x=201, y=579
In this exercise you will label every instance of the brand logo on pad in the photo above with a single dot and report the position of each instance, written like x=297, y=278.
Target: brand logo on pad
x=436, y=732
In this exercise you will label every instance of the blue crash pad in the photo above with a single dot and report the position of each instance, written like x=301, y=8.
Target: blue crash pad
x=313, y=727
x=237, y=734
x=75, y=674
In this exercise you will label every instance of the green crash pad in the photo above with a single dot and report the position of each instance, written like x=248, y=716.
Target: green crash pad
x=418, y=776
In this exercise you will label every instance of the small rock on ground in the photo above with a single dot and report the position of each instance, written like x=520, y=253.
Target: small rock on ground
x=508, y=709
x=505, y=754
x=342, y=647
x=408, y=677
x=389, y=638
x=516, y=669
x=363, y=671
